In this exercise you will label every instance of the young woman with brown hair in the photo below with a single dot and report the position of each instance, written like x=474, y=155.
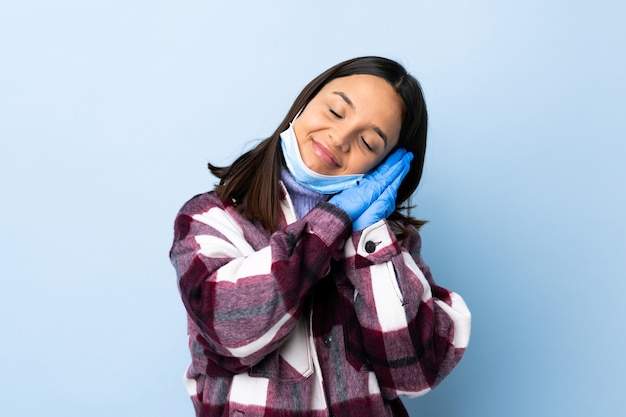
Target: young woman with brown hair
x=301, y=272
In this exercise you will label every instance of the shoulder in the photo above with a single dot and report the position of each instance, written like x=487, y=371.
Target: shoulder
x=207, y=214
x=201, y=203
x=196, y=213
x=408, y=236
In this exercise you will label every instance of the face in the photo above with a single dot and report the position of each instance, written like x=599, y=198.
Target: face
x=349, y=126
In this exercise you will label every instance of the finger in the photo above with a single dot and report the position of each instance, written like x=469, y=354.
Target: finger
x=378, y=210
x=391, y=191
x=384, y=174
x=399, y=170
x=395, y=184
x=391, y=161
x=406, y=164
x=391, y=172
x=355, y=201
x=373, y=185
x=408, y=157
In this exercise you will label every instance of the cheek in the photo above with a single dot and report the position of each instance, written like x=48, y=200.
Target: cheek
x=365, y=166
x=298, y=131
x=368, y=165
x=302, y=125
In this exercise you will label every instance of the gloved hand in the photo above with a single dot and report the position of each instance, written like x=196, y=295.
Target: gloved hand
x=374, y=198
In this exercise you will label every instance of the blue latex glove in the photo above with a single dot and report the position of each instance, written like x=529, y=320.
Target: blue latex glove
x=374, y=198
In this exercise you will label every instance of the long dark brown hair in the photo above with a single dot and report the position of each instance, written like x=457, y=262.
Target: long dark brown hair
x=252, y=181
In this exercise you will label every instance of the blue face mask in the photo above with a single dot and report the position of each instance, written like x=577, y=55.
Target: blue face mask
x=323, y=184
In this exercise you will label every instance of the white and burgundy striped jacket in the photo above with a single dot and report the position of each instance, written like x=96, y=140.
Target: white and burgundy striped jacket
x=312, y=320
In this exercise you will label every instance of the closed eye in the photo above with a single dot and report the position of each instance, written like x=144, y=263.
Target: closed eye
x=367, y=144
x=334, y=113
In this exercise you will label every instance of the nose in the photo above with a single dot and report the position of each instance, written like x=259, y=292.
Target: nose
x=340, y=139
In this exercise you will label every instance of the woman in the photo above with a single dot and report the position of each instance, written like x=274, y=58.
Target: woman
x=301, y=272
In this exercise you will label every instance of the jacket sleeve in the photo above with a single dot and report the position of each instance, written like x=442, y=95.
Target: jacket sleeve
x=413, y=331
x=243, y=302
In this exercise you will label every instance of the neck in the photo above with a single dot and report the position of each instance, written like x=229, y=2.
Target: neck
x=302, y=198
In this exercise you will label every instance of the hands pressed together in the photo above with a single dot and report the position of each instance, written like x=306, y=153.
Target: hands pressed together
x=374, y=198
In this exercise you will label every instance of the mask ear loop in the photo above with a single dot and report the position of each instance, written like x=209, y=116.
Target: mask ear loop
x=296, y=116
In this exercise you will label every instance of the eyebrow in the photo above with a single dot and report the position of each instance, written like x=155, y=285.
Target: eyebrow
x=349, y=102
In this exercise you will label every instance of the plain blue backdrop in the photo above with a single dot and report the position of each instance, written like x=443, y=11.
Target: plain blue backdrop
x=110, y=110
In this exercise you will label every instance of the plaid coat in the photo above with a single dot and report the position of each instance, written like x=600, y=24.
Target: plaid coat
x=312, y=320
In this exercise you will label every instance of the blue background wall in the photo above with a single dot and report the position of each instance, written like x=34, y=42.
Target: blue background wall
x=110, y=110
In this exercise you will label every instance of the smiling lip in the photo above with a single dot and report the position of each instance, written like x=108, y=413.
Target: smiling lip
x=325, y=154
